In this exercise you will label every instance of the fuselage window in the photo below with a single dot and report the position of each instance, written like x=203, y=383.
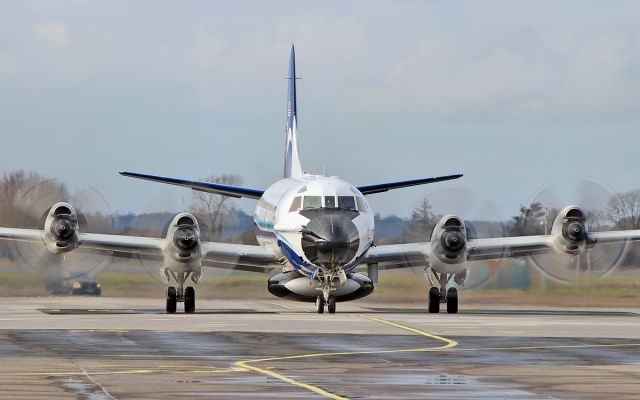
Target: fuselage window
x=361, y=206
x=329, y=202
x=346, y=202
x=296, y=204
x=312, y=202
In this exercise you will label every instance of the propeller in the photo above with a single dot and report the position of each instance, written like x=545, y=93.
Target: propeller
x=482, y=220
x=596, y=261
x=160, y=208
x=32, y=203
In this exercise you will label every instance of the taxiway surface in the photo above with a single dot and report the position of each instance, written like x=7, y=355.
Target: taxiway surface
x=110, y=348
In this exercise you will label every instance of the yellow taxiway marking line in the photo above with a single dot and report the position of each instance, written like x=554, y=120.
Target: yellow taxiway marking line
x=311, y=388
x=550, y=347
x=449, y=342
x=265, y=371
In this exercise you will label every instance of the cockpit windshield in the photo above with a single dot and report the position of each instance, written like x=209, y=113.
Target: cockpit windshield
x=311, y=202
x=347, y=202
x=340, y=202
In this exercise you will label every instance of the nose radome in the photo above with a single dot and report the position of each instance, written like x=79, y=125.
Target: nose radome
x=330, y=239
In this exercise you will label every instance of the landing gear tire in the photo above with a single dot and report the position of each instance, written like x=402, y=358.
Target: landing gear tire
x=452, y=301
x=320, y=304
x=331, y=305
x=172, y=299
x=189, y=300
x=434, y=300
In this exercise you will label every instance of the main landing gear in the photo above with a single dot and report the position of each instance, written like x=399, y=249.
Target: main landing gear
x=181, y=295
x=441, y=294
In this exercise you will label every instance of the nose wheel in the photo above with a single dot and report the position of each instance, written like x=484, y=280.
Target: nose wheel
x=189, y=300
x=330, y=303
x=320, y=304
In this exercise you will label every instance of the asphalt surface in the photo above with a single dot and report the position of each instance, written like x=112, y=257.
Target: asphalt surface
x=110, y=348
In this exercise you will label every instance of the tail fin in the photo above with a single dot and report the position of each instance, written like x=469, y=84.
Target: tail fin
x=292, y=166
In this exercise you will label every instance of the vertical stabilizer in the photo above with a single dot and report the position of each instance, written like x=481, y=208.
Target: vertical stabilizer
x=292, y=166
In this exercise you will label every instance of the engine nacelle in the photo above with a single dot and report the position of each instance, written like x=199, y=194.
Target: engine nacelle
x=61, y=229
x=569, y=231
x=183, y=239
x=449, y=242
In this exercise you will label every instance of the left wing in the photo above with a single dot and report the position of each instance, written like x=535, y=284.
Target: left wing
x=383, y=187
x=217, y=188
x=417, y=254
x=240, y=257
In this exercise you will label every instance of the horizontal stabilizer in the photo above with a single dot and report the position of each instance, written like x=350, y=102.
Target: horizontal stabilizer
x=217, y=188
x=383, y=187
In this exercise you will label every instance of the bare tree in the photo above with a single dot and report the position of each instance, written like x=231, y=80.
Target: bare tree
x=23, y=196
x=624, y=210
x=212, y=210
x=533, y=220
x=421, y=223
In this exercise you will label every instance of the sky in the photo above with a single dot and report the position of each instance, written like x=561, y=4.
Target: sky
x=520, y=97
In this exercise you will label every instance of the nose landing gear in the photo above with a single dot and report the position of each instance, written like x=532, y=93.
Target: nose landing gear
x=330, y=303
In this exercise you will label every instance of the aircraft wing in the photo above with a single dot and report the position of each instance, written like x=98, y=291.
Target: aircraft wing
x=217, y=188
x=250, y=258
x=417, y=254
x=384, y=187
x=240, y=257
x=392, y=256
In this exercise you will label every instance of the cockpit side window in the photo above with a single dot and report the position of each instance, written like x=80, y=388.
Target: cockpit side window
x=329, y=201
x=347, y=202
x=310, y=202
x=361, y=206
x=296, y=204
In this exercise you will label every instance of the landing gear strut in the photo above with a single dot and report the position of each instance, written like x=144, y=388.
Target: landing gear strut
x=326, y=298
x=441, y=294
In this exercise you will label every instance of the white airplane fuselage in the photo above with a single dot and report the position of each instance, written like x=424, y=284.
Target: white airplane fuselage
x=322, y=227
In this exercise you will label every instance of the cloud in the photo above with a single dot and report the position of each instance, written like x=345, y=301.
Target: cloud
x=53, y=34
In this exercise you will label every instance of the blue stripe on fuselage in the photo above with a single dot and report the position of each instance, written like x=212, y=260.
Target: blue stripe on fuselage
x=298, y=262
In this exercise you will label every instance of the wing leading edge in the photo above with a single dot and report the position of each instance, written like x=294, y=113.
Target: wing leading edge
x=383, y=187
x=217, y=188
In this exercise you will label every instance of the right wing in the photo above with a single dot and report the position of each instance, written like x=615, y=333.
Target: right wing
x=393, y=256
x=417, y=254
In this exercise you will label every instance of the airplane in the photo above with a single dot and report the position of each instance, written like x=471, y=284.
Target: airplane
x=317, y=233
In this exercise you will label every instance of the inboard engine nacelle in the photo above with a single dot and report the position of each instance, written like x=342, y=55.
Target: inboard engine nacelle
x=449, y=241
x=569, y=231
x=61, y=229
x=183, y=239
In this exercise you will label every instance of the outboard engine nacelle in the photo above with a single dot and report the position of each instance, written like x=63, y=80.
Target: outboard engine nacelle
x=61, y=229
x=569, y=231
x=449, y=241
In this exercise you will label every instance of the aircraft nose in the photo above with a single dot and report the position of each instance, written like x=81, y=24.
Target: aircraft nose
x=330, y=239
